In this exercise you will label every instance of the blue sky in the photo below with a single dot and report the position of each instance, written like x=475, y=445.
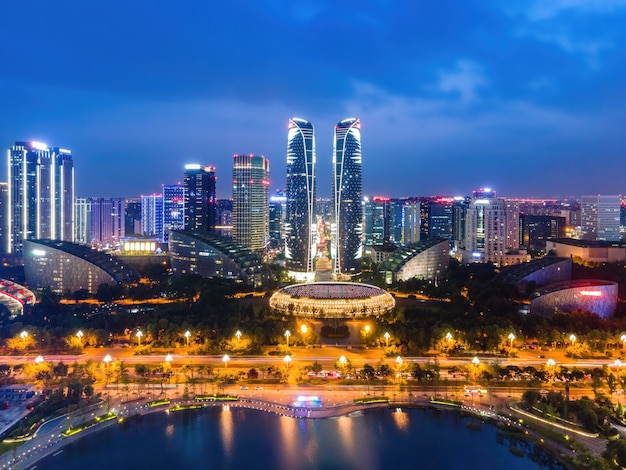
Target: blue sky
x=526, y=96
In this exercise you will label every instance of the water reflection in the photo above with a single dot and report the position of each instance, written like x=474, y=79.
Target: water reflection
x=401, y=420
x=289, y=443
x=226, y=427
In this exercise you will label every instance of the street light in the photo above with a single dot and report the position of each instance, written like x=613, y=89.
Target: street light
x=572, y=338
x=24, y=335
x=476, y=363
x=368, y=328
x=287, y=360
x=399, y=361
x=386, y=336
x=139, y=335
x=511, y=338
x=303, y=329
x=39, y=359
x=169, y=358
x=107, y=359
x=187, y=335
x=623, y=338
x=287, y=335
x=226, y=358
x=79, y=335
x=238, y=335
x=449, y=337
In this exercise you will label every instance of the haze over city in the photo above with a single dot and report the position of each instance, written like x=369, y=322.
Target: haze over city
x=452, y=96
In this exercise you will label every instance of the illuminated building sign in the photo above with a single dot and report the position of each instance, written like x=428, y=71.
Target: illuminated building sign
x=591, y=293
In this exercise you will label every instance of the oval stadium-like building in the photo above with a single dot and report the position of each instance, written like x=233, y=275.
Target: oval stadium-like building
x=332, y=300
x=591, y=295
x=14, y=297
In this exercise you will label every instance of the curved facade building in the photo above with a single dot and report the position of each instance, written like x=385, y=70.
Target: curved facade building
x=211, y=255
x=14, y=297
x=540, y=272
x=426, y=259
x=300, y=222
x=64, y=266
x=591, y=295
x=332, y=300
x=347, y=227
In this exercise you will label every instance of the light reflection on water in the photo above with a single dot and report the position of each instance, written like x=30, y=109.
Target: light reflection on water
x=226, y=428
x=401, y=420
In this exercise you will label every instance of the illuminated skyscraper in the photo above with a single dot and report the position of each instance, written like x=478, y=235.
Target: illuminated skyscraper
x=300, y=218
x=600, y=217
x=173, y=209
x=251, y=182
x=152, y=216
x=346, y=245
x=41, y=193
x=200, y=197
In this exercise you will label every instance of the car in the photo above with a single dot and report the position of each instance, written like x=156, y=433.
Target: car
x=243, y=387
x=258, y=388
x=541, y=356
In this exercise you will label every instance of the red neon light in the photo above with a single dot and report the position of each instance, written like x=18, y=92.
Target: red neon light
x=591, y=293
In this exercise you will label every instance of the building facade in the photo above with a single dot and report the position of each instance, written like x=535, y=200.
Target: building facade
x=200, y=197
x=300, y=224
x=40, y=194
x=173, y=208
x=600, y=218
x=107, y=226
x=152, y=216
x=485, y=231
x=347, y=225
x=251, y=182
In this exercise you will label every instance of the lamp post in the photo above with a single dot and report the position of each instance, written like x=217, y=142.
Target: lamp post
x=187, y=335
x=139, y=334
x=476, y=363
x=79, y=335
x=386, y=336
x=238, y=335
x=39, y=359
x=511, y=338
x=24, y=335
x=623, y=338
x=367, y=329
x=287, y=335
x=572, y=338
x=304, y=329
x=287, y=360
x=449, y=337
x=106, y=360
x=226, y=358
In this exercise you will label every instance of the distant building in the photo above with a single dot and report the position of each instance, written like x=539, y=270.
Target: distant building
x=376, y=221
x=440, y=217
x=251, y=181
x=82, y=219
x=587, y=251
x=4, y=217
x=107, y=222
x=537, y=229
x=41, y=193
x=173, y=208
x=427, y=259
x=539, y=272
x=152, y=216
x=69, y=267
x=600, y=217
x=211, y=255
x=132, y=217
x=15, y=297
x=200, y=198
x=412, y=222
x=224, y=217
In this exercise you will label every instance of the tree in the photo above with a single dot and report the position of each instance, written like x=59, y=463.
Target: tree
x=368, y=372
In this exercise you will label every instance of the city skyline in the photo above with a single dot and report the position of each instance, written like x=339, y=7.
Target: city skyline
x=458, y=95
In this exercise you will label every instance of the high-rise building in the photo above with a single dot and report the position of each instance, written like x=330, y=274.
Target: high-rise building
x=347, y=226
x=300, y=223
x=512, y=238
x=200, y=197
x=107, y=221
x=132, y=217
x=173, y=209
x=278, y=203
x=535, y=230
x=251, y=182
x=485, y=231
x=376, y=221
x=440, y=217
x=4, y=216
x=82, y=218
x=412, y=221
x=41, y=193
x=152, y=216
x=600, y=217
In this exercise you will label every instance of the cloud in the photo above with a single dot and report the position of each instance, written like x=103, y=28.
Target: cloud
x=463, y=80
x=540, y=10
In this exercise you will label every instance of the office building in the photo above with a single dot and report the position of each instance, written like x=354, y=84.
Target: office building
x=485, y=230
x=173, y=208
x=152, y=216
x=251, y=182
x=132, y=217
x=82, y=218
x=412, y=222
x=347, y=225
x=600, y=218
x=107, y=222
x=200, y=197
x=40, y=194
x=277, y=215
x=4, y=218
x=300, y=224
x=376, y=221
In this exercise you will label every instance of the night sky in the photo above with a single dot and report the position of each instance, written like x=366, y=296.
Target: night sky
x=525, y=96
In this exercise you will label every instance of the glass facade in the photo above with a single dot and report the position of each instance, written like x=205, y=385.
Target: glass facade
x=347, y=226
x=200, y=198
x=251, y=182
x=173, y=208
x=300, y=220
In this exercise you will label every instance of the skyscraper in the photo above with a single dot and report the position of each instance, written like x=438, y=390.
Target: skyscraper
x=107, y=221
x=346, y=245
x=41, y=193
x=200, y=197
x=152, y=216
x=4, y=213
x=251, y=181
x=599, y=217
x=173, y=208
x=300, y=218
x=485, y=232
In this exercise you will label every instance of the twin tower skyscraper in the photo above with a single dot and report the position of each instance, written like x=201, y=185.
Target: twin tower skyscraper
x=301, y=231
